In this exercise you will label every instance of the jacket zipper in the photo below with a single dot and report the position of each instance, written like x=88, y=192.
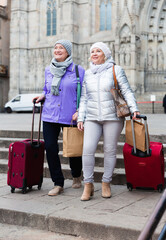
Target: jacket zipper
x=99, y=106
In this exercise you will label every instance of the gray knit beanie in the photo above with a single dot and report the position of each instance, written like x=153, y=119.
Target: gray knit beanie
x=103, y=47
x=66, y=44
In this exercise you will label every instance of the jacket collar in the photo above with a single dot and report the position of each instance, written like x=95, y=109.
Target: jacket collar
x=70, y=68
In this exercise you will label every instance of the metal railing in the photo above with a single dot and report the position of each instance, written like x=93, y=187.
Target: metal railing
x=154, y=219
x=154, y=80
x=30, y=90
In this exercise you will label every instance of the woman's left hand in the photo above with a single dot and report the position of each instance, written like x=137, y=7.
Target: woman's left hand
x=134, y=115
x=75, y=116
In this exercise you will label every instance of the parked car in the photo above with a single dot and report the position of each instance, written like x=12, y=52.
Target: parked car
x=22, y=103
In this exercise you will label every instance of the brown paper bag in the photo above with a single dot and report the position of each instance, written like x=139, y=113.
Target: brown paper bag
x=139, y=130
x=72, y=142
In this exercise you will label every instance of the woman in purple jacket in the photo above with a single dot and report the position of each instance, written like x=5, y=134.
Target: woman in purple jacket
x=60, y=94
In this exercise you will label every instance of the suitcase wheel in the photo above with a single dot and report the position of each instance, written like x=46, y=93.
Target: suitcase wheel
x=40, y=183
x=160, y=188
x=130, y=186
x=12, y=189
x=24, y=190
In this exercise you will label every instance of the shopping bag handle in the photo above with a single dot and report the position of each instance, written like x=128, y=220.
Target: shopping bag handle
x=146, y=133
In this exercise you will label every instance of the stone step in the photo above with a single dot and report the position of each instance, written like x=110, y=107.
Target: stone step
x=10, y=231
x=27, y=134
x=119, y=177
x=123, y=216
x=5, y=142
x=99, y=158
x=18, y=134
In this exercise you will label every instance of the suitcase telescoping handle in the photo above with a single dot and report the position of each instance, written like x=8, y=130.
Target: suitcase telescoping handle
x=146, y=132
x=34, y=102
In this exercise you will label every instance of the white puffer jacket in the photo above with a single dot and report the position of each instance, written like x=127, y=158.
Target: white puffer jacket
x=96, y=101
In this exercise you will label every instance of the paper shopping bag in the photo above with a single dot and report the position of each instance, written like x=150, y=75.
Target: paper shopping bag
x=139, y=130
x=72, y=142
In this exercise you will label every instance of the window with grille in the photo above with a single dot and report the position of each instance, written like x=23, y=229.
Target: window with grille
x=105, y=15
x=51, y=17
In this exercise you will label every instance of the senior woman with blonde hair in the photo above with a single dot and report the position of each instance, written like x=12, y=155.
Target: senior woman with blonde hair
x=97, y=115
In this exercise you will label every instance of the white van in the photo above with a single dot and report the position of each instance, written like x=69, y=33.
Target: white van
x=22, y=102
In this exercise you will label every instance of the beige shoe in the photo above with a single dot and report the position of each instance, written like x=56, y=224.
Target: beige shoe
x=106, y=190
x=88, y=192
x=76, y=182
x=55, y=191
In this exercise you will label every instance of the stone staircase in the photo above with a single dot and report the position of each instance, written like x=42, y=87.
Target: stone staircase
x=121, y=217
x=119, y=178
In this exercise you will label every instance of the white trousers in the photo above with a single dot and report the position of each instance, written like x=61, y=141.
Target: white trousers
x=92, y=132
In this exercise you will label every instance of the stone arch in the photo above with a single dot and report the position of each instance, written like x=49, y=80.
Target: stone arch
x=155, y=19
x=145, y=15
x=161, y=25
x=152, y=16
x=125, y=33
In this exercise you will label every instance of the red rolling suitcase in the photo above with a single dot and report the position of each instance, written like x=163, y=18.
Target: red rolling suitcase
x=144, y=170
x=25, y=163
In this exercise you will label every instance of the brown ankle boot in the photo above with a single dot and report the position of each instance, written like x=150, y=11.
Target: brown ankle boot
x=88, y=192
x=106, y=190
x=76, y=182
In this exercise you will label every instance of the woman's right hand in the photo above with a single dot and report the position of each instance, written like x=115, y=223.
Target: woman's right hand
x=80, y=126
x=38, y=98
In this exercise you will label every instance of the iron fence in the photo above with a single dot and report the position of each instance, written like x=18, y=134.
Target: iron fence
x=30, y=90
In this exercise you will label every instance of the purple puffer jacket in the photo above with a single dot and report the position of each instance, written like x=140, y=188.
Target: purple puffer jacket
x=59, y=109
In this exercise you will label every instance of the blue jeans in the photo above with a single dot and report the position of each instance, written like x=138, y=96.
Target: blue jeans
x=51, y=133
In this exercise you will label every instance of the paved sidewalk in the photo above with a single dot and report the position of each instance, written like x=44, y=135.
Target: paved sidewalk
x=121, y=217
x=14, y=232
x=22, y=121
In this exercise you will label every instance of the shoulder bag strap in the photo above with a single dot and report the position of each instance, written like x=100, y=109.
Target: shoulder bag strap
x=78, y=86
x=115, y=80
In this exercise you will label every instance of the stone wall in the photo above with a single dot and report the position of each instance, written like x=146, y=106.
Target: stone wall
x=136, y=39
x=4, y=52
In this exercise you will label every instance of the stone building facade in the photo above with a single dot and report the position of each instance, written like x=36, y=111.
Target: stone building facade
x=4, y=51
x=135, y=31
